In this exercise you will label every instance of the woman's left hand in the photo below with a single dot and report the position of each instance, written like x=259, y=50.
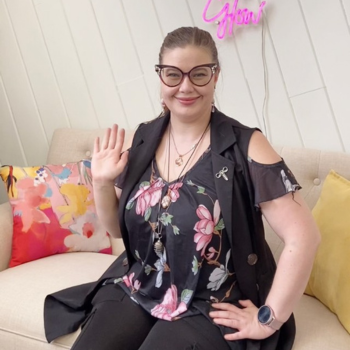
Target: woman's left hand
x=245, y=320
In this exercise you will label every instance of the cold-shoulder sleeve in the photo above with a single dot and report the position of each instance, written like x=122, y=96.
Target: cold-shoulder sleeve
x=271, y=181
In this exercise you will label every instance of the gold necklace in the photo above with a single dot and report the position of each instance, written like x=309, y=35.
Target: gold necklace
x=179, y=161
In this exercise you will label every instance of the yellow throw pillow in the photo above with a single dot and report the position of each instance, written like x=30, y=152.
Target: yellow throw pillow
x=330, y=277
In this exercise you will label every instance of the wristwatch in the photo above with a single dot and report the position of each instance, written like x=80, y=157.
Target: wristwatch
x=267, y=318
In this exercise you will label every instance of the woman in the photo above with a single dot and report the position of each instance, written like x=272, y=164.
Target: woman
x=197, y=272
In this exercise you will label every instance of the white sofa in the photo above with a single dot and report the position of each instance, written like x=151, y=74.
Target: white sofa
x=23, y=288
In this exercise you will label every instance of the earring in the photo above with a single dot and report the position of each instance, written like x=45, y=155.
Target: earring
x=162, y=103
x=213, y=106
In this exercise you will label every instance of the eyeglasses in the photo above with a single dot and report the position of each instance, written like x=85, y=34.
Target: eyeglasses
x=172, y=76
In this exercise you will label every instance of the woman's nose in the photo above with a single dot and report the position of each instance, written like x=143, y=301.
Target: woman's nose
x=186, y=84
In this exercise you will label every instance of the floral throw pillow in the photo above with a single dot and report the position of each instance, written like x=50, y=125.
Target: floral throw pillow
x=53, y=211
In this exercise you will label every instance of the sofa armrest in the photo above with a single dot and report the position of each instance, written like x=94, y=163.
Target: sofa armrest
x=6, y=229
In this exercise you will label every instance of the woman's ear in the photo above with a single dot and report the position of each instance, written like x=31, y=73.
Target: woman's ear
x=216, y=76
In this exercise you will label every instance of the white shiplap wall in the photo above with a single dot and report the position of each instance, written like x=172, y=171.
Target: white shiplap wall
x=89, y=63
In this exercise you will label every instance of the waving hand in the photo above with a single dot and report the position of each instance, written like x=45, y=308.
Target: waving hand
x=108, y=161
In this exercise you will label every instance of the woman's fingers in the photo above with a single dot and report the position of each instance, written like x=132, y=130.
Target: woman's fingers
x=124, y=159
x=227, y=322
x=96, y=145
x=113, y=139
x=120, y=141
x=105, y=141
x=226, y=307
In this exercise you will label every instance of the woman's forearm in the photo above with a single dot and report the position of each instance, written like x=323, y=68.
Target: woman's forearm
x=292, y=220
x=107, y=205
x=293, y=271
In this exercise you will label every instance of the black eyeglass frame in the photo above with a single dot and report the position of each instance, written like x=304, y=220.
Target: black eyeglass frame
x=159, y=67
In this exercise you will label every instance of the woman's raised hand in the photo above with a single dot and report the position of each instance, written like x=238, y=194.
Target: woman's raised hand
x=108, y=162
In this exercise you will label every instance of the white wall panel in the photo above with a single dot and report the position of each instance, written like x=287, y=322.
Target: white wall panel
x=278, y=111
x=346, y=5
x=136, y=102
x=38, y=65
x=117, y=40
x=94, y=60
x=196, y=8
x=66, y=65
x=331, y=38
x=316, y=121
x=172, y=15
x=251, y=61
x=293, y=47
x=147, y=37
x=20, y=95
x=9, y=139
x=232, y=89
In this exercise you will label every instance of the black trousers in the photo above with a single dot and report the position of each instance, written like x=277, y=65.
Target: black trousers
x=118, y=323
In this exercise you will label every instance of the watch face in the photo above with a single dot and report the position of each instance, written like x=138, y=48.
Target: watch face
x=264, y=314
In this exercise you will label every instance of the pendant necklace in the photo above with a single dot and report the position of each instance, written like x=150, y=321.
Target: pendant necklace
x=179, y=161
x=166, y=200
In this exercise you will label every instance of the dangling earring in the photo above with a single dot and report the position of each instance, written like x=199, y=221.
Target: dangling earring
x=213, y=106
x=162, y=103
x=213, y=103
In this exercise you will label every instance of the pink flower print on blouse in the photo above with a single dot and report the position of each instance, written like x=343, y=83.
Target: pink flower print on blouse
x=174, y=191
x=211, y=252
x=205, y=227
x=148, y=196
x=128, y=280
x=168, y=309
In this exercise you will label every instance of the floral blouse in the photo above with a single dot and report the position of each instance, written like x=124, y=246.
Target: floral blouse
x=195, y=267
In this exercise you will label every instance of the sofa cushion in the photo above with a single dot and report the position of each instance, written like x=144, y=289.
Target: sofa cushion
x=53, y=211
x=24, y=288
x=318, y=328
x=330, y=277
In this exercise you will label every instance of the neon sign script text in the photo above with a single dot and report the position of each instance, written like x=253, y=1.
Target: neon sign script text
x=226, y=17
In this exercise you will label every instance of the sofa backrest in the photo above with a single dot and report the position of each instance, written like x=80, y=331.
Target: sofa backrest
x=310, y=167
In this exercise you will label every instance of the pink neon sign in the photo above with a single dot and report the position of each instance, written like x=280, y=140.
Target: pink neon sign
x=227, y=17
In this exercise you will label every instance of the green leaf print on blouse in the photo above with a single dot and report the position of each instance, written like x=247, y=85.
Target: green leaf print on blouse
x=186, y=296
x=201, y=190
x=220, y=225
x=195, y=265
x=165, y=219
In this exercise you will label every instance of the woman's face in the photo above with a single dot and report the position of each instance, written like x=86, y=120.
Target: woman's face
x=188, y=101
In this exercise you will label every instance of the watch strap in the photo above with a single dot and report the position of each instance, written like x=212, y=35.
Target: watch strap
x=274, y=324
